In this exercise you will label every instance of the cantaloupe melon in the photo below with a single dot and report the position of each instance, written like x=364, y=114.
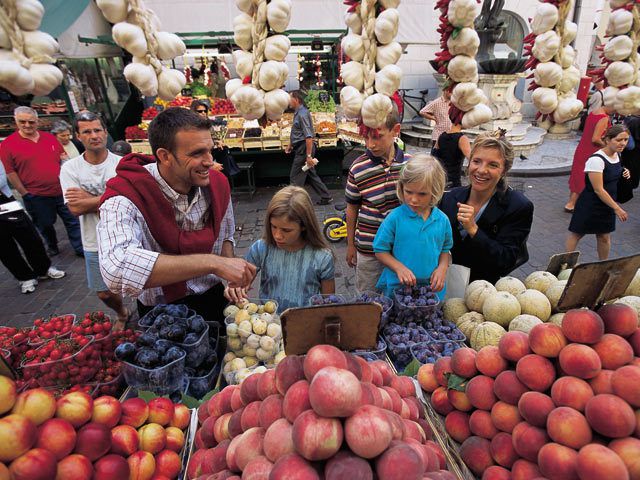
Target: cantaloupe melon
x=468, y=322
x=487, y=333
x=631, y=300
x=510, y=284
x=534, y=302
x=634, y=286
x=524, y=323
x=565, y=274
x=554, y=292
x=556, y=319
x=501, y=308
x=476, y=293
x=540, y=281
x=453, y=309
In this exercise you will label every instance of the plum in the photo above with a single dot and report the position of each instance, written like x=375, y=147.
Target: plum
x=175, y=333
x=125, y=351
x=173, y=354
x=147, y=339
x=161, y=346
x=147, y=358
x=196, y=324
x=191, y=338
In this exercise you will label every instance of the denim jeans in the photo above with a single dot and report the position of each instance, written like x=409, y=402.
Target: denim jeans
x=44, y=210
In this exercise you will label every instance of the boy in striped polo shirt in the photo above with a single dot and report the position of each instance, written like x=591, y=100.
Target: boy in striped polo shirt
x=371, y=195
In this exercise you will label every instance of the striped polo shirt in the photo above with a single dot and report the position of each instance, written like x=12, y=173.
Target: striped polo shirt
x=372, y=186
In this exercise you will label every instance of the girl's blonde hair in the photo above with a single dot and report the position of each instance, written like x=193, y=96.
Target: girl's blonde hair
x=497, y=141
x=424, y=170
x=294, y=204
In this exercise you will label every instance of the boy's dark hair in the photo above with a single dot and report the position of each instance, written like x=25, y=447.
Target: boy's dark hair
x=87, y=117
x=298, y=95
x=164, y=127
x=121, y=148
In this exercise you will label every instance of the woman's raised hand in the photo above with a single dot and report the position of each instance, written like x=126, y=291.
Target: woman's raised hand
x=466, y=216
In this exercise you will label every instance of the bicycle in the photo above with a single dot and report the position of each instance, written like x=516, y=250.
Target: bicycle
x=423, y=101
x=335, y=228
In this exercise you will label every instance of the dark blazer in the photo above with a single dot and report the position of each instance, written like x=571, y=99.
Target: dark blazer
x=499, y=246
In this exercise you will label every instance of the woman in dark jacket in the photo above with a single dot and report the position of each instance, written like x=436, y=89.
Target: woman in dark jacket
x=490, y=221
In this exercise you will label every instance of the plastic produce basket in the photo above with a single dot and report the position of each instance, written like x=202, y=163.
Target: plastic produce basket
x=447, y=332
x=38, y=343
x=200, y=386
x=113, y=388
x=6, y=354
x=161, y=381
x=329, y=299
x=147, y=321
x=379, y=353
x=435, y=350
x=407, y=298
x=196, y=351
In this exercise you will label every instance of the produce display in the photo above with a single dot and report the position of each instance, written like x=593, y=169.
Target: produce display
x=561, y=402
x=329, y=299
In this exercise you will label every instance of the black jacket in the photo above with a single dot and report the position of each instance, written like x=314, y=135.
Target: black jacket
x=500, y=245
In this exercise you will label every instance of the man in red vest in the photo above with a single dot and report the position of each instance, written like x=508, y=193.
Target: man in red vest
x=166, y=222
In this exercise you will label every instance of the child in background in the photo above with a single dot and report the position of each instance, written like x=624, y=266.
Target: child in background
x=414, y=240
x=293, y=257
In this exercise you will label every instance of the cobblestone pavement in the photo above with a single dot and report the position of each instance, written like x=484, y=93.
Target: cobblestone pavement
x=70, y=294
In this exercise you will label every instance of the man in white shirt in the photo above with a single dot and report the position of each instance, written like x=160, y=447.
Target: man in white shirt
x=83, y=180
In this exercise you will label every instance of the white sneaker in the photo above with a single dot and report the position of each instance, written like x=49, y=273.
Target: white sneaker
x=28, y=286
x=53, y=272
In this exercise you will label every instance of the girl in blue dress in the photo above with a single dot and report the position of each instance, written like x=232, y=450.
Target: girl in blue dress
x=414, y=240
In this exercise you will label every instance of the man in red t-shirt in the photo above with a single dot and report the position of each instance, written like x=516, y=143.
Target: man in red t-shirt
x=32, y=161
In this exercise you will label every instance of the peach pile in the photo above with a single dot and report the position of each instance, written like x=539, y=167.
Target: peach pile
x=79, y=438
x=326, y=415
x=560, y=403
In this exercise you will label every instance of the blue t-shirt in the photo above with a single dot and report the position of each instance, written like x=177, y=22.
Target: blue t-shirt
x=290, y=278
x=415, y=242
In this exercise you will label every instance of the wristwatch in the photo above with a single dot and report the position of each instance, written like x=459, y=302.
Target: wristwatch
x=309, y=156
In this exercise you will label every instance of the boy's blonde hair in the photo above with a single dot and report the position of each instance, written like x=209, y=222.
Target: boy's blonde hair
x=294, y=204
x=424, y=170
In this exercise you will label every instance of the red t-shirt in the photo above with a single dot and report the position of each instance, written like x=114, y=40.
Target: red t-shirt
x=36, y=163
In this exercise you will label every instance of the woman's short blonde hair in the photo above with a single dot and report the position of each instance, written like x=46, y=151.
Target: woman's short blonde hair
x=423, y=170
x=497, y=141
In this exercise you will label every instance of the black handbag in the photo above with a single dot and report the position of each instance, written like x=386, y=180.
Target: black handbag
x=625, y=190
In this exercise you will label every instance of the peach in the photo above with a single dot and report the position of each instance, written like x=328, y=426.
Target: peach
x=168, y=463
x=215, y=459
x=8, y=394
x=614, y=351
x=221, y=427
x=413, y=430
x=440, y=401
x=160, y=411
x=536, y=372
x=236, y=400
x=75, y=407
x=525, y=470
x=38, y=405
x=547, y=339
x=296, y=400
x=36, y=464
x=457, y=425
x=250, y=416
x=315, y=437
x=405, y=411
x=203, y=412
x=481, y=425
x=508, y=387
x=376, y=377
x=597, y=461
x=634, y=341
x=625, y=383
x=198, y=442
x=404, y=386
x=257, y=469
x=386, y=401
x=207, y=433
x=476, y=454
x=353, y=365
x=346, y=465
x=175, y=439
x=142, y=465
x=601, y=383
x=267, y=384
x=58, y=436
x=93, y=440
x=569, y=427
x=399, y=462
x=368, y=431
x=580, y=361
x=427, y=378
x=250, y=446
x=582, y=326
x=397, y=425
x=435, y=448
x=235, y=423
x=278, y=440
x=534, y=407
x=611, y=416
x=416, y=410
x=321, y=356
x=385, y=371
x=479, y=390
x=196, y=464
x=220, y=403
x=135, y=412
x=459, y=400
x=152, y=438
x=489, y=361
x=365, y=369
x=619, y=318
x=124, y=440
x=463, y=362
x=231, y=454
x=514, y=345
x=441, y=368
x=17, y=435
x=558, y=462
x=6, y=475
x=74, y=467
x=528, y=440
x=571, y=392
x=494, y=472
x=270, y=410
x=106, y=410
x=111, y=467
x=628, y=449
x=293, y=467
x=322, y=392
x=249, y=389
x=289, y=371
x=396, y=400
x=502, y=450
x=505, y=416
x=181, y=416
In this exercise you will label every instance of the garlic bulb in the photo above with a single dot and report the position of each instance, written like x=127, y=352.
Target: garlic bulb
x=466, y=43
x=278, y=15
x=46, y=77
x=275, y=103
x=467, y=95
x=462, y=13
x=386, y=27
x=354, y=48
x=546, y=46
x=609, y=95
x=618, y=48
x=5, y=42
x=114, y=11
x=14, y=77
x=170, y=83
x=354, y=22
x=154, y=21
x=545, y=18
x=39, y=43
x=231, y=86
x=352, y=74
x=388, y=54
x=244, y=5
x=620, y=22
x=389, y=3
x=463, y=69
x=388, y=80
x=272, y=75
x=169, y=45
x=143, y=77
x=242, y=26
x=277, y=47
x=351, y=101
x=131, y=38
x=375, y=110
x=244, y=63
x=29, y=14
x=568, y=56
x=568, y=109
x=627, y=101
x=249, y=101
x=620, y=73
x=570, y=32
x=570, y=79
x=545, y=99
x=478, y=115
x=547, y=74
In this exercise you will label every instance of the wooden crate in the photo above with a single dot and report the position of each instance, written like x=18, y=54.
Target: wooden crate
x=327, y=142
x=140, y=146
x=252, y=144
x=271, y=143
